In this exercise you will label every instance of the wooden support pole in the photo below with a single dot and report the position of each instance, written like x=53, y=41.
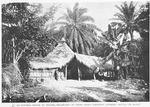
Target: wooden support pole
x=66, y=72
x=94, y=76
x=112, y=74
x=107, y=73
x=78, y=74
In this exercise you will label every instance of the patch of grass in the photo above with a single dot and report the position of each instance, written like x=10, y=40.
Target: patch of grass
x=114, y=97
x=38, y=91
x=110, y=96
x=94, y=89
x=55, y=96
x=73, y=97
x=107, y=95
x=81, y=97
x=28, y=84
x=128, y=84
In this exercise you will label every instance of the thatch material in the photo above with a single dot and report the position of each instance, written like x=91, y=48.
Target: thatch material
x=59, y=57
x=94, y=62
x=11, y=77
x=90, y=61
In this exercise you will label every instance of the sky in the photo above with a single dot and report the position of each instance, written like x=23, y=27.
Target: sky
x=102, y=12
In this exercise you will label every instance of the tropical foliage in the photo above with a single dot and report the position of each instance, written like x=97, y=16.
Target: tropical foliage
x=143, y=21
x=25, y=35
x=144, y=33
x=129, y=53
x=136, y=20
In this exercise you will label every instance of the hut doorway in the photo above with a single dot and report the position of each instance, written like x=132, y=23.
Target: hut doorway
x=72, y=69
x=78, y=71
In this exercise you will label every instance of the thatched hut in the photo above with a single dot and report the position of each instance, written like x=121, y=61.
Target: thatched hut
x=51, y=67
x=88, y=65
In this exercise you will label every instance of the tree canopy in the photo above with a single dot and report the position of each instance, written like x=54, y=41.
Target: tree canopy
x=128, y=17
x=22, y=22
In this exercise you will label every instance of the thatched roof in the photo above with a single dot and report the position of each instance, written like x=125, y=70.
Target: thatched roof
x=59, y=57
x=90, y=61
x=62, y=55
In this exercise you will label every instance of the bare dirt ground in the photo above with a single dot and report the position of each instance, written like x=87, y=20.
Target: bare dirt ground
x=87, y=91
x=131, y=90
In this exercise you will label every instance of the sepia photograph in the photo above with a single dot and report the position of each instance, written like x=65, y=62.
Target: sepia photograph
x=75, y=52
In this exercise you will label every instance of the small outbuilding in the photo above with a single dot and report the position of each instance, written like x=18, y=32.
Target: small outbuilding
x=53, y=66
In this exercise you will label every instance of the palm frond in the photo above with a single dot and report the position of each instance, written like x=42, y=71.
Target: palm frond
x=121, y=17
x=62, y=17
x=90, y=26
x=89, y=36
x=87, y=40
x=82, y=35
x=76, y=38
x=71, y=38
x=127, y=12
x=70, y=14
x=85, y=19
x=119, y=8
x=60, y=23
x=81, y=41
x=75, y=12
x=75, y=6
x=113, y=24
x=65, y=17
x=114, y=19
x=81, y=12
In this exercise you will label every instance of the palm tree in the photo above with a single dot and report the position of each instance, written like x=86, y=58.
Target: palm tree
x=128, y=16
x=78, y=33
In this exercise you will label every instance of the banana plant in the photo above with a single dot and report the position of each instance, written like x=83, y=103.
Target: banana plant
x=116, y=38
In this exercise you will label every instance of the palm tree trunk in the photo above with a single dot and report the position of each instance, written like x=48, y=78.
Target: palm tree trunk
x=14, y=59
x=115, y=70
x=131, y=34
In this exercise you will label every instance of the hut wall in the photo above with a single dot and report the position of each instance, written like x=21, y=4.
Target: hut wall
x=60, y=74
x=44, y=75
